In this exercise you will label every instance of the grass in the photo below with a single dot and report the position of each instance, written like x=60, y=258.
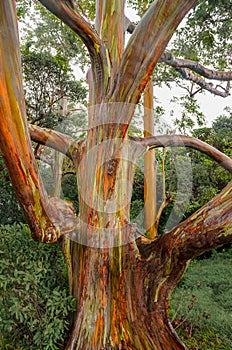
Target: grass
x=202, y=304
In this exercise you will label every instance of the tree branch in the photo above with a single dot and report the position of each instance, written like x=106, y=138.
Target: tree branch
x=202, y=83
x=65, y=11
x=186, y=141
x=145, y=47
x=209, y=227
x=108, y=23
x=168, y=58
x=45, y=216
x=51, y=138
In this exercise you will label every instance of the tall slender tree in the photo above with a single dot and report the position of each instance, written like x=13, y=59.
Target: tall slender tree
x=122, y=280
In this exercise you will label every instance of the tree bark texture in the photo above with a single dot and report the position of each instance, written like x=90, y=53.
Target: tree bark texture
x=117, y=307
x=123, y=292
x=42, y=213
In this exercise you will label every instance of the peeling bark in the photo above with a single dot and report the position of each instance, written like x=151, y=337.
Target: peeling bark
x=108, y=22
x=123, y=292
x=116, y=306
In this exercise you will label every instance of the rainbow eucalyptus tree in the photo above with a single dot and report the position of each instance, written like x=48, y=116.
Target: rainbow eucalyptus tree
x=122, y=280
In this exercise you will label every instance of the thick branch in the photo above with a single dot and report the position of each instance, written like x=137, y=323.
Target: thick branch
x=168, y=58
x=145, y=47
x=51, y=138
x=202, y=83
x=186, y=141
x=45, y=218
x=209, y=227
x=65, y=11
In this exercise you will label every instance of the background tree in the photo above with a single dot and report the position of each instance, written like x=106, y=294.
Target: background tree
x=122, y=281
x=48, y=82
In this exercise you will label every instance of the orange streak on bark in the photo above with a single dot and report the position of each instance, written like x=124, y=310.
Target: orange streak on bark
x=143, y=51
x=15, y=141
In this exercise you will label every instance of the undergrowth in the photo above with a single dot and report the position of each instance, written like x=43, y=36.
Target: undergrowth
x=201, y=306
x=34, y=296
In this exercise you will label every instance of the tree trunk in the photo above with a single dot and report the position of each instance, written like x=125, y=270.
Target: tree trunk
x=116, y=307
x=123, y=292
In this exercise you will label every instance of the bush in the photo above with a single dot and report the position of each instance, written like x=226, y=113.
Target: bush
x=10, y=211
x=34, y=299
x=203, y=300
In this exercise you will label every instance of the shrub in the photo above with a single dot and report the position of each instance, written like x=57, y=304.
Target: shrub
x=34, y=299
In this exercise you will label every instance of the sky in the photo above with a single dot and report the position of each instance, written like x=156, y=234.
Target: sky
x=211, y=106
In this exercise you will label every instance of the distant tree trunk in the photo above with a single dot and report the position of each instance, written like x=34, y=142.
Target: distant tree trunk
x=57, y=173
x=150, y=166
x=59, y=157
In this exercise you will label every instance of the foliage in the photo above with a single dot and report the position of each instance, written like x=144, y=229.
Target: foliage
x=34, y=296
x=202, y=301
x=190, y=114
x=87, y=8
x=140, y=5
x=206, y=35
x=47, y=80
x=49, y=35
x=208, y=176
x=69, y=189
x=203, y=340
x=9, y=208
x=23, y=6
x=207, y=28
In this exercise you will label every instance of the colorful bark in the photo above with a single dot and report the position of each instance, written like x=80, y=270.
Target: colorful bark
x=43, y=217
x=153, y=34
x=116, y=301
